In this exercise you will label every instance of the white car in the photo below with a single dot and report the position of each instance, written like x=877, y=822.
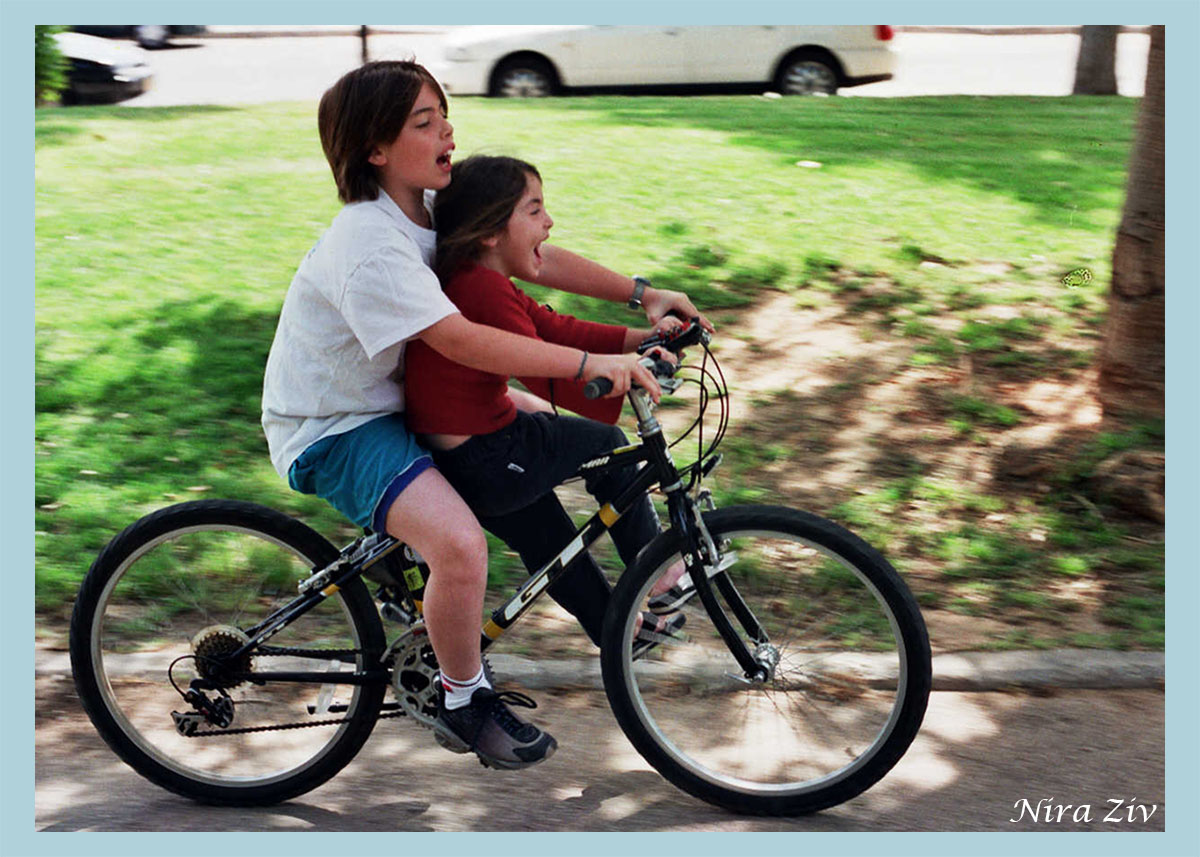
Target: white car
x=535, y=61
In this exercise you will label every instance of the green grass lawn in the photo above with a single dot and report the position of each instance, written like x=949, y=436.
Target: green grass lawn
x=166, y=238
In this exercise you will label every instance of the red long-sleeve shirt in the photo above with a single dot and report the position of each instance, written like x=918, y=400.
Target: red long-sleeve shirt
x=444, y=397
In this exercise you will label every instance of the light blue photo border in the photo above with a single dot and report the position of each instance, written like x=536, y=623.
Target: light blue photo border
x=1182, y=18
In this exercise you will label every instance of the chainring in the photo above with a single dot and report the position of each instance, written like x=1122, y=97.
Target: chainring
x=212, y=645
x=415, y=674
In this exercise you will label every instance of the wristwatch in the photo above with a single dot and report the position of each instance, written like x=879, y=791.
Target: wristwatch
x=639, y=286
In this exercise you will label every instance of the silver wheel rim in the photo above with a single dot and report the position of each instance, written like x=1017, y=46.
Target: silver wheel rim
x=675, y=741
x=524, y=83
x=152, y=34
x=137, y=734
x=809, y=77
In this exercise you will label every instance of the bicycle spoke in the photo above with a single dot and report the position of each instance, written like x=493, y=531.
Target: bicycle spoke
x=834, y=661
x=166, y=611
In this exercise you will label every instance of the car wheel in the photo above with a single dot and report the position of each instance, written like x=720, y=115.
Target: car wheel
x=150, y=35
x=523, y=77
x=807, y=74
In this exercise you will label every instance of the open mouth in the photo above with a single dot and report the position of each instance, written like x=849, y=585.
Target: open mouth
x=443, y=160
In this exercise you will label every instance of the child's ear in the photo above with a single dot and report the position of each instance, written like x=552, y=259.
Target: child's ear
x=491, y=240
x=377, y=158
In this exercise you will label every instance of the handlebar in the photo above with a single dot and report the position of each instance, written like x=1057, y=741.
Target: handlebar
x=674, y=341
x=596, y=388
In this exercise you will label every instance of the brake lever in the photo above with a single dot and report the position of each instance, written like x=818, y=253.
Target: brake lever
x=677, y=339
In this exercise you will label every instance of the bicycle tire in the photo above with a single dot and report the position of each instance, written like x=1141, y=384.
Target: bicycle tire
x=843, y=703
x=189, y=573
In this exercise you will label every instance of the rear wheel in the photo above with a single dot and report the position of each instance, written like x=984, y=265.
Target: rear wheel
x=841, y=644
x=151, y=35
x=169, y=600
x=807, y=73
x=524, y=77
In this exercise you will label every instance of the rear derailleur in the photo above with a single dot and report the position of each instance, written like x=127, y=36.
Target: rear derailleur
x=217, y=712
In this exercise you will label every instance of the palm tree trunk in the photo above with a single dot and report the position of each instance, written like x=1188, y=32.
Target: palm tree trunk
x=1096, y=68
x=1132, y=353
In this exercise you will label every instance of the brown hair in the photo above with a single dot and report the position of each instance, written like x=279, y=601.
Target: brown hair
x=483, y=193
x=366, y=108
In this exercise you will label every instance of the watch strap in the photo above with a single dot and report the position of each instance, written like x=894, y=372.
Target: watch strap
x=639, y=288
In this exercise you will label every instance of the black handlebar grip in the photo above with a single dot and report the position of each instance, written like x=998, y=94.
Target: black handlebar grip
x=596, y=388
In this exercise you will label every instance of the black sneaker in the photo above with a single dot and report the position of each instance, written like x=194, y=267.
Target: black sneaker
x=497, y=736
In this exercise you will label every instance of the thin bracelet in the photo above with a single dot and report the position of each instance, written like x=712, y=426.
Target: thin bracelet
x=582, y=363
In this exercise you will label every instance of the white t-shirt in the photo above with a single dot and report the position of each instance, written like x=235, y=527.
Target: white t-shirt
x=364, y=288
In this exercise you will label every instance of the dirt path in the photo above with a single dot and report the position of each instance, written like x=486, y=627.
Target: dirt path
x=833, y=415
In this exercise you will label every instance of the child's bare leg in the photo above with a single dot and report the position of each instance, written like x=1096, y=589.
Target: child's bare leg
x=670, y=578
x=431, y=517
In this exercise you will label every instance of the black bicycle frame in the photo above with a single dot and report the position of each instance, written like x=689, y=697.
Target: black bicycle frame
x=685, y=524
x=662, y=469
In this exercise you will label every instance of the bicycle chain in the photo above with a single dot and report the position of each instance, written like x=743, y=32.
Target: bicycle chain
x=276, y=651
x=208, y=733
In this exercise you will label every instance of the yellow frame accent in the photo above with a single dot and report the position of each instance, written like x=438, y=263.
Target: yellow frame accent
x=608, y=515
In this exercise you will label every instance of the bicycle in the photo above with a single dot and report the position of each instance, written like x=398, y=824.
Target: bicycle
x=798, y=680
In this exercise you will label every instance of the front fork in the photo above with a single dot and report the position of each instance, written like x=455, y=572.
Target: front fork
x=699, y=550
x=697, y=547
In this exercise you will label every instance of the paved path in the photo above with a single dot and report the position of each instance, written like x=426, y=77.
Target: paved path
x=978, y=756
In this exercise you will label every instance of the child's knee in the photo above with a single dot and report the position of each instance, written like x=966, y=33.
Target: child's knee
x=461, y=552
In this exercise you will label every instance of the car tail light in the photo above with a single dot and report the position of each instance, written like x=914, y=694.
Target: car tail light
x=884, y=32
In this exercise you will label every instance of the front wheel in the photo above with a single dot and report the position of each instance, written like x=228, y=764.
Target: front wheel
x=842, y=649
x=169, y=600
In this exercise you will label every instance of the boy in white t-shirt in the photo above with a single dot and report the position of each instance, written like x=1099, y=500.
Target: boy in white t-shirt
x=332, y=404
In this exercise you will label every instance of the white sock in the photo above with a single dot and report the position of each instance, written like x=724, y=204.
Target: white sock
x=458, y=693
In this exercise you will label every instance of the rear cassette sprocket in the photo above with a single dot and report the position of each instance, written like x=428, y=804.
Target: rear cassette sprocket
x=212, y=647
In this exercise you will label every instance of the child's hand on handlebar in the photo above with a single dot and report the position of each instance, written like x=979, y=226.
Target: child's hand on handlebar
x=660, y=303
x=667, y=323
x=623, y=370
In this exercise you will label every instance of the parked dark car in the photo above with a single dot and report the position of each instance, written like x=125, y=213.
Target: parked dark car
x=102, y=71
x=146, y=35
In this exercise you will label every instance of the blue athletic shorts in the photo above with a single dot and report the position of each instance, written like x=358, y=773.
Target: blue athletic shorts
x=361, y=472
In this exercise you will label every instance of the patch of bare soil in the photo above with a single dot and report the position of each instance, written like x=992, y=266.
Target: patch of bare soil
x=854, y=414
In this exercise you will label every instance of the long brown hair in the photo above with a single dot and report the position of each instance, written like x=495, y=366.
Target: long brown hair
x=366, y=108
x=483, y=193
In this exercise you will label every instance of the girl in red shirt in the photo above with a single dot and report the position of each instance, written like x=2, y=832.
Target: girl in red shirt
x=505, y=459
